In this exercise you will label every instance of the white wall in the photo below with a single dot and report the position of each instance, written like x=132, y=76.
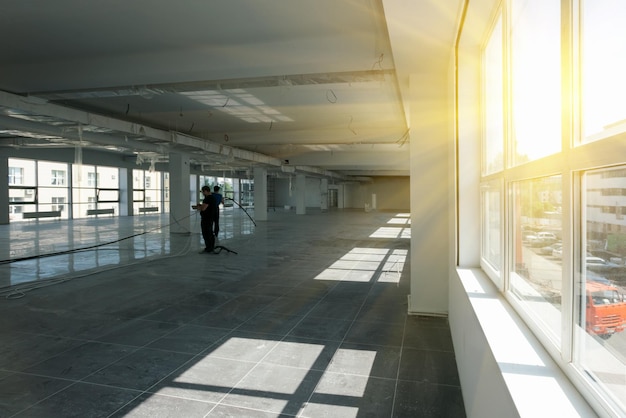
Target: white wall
x=392, y=193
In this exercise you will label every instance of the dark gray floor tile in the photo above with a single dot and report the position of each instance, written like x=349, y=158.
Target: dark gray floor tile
x=234, y=312
x=321, y=328
x=32, y=350
x=210, y=299
x=81, y=361
x=270, y=323
x=140, y=370
x=153, y=405
x=428, y=338
x=138, y=332
x=392, y=313
x=81, y=400
x=178, y=314
x=429, y=366
x=275, y=290
x=344, y=395
x=427, y=400
x=191, y=339
x=274, y=388
x=19, y=391
x=378, y=333
x=222, y=319
x=366, y=360
x=293, y=305
x=347, y=309
x=420, y=321
x=57, y=321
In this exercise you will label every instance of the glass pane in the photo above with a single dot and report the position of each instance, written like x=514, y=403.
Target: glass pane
x=22, y=172
x=80, y=209
x=492, y=226
x=53, y=199
x=83, y=175
x=52, y=174
x=138, y=181
x=602, y=320
x=494, y=103
x=535, y=79
x=138, y=195
x=108, y=177
x=537, y=223
x=603, y=67
x=108, y=195
x=26, y=195
x=84, y=195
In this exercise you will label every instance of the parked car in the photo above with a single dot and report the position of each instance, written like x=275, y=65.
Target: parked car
x=541, y=239
x=557, y=251
x=549, y=249
x=600, y=265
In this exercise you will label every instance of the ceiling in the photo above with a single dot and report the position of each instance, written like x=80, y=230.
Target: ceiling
x=318, y=86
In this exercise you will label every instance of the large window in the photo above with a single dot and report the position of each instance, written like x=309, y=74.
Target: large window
x=554, y=180
x=96, y=191
x=150, y=191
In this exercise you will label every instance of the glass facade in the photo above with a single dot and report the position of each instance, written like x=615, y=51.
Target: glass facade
x=553, y=227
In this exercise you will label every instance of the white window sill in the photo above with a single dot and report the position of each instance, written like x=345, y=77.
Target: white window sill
x=504, y=370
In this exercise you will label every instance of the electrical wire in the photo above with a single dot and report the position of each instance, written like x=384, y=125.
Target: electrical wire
x=19, y=290
x=237, y=203
x=75, y=250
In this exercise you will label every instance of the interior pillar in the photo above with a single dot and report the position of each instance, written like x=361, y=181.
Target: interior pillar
x=260, y=193
x=179, y=193
x=4, y=190
x=430, y=136
x=324, y=194
x=300, y=194
x=126, y=194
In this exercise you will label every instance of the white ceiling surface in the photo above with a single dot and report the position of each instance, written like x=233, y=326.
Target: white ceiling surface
x=321, y=83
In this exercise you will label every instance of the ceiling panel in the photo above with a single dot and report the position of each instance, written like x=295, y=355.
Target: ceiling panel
x=312, y=81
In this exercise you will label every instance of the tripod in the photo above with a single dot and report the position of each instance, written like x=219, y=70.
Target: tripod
x=218, y=249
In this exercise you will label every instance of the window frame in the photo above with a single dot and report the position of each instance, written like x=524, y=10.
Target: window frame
x=575, y=159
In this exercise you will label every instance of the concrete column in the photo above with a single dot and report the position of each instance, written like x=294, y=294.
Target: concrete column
x=324, y=193
x=300, y=194
x=130, y=184
x=340, y=196
x=179, y=194
x=4, y=190
x=260, y=193
x=431, y=245
x=126, y=191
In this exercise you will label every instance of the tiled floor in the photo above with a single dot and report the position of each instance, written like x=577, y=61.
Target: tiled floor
x=307, y=318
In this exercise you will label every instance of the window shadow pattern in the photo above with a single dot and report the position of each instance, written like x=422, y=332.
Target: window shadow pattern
x=264, y=333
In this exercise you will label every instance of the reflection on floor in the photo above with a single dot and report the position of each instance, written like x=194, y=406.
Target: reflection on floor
x=308, y=319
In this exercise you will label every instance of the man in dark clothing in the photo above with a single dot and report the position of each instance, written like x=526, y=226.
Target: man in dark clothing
x=218, y=201
x=208, y=214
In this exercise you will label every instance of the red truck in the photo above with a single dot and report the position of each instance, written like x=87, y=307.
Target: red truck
x=605, y=312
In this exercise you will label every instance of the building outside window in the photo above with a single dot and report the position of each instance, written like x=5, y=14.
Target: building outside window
x=16, y=176
x=553, y=180
x=57, y=203
x=149, y=188
x=95, y=191
x=57, y=177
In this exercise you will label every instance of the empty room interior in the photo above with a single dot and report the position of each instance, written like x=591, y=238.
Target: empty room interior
x=413, y=208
